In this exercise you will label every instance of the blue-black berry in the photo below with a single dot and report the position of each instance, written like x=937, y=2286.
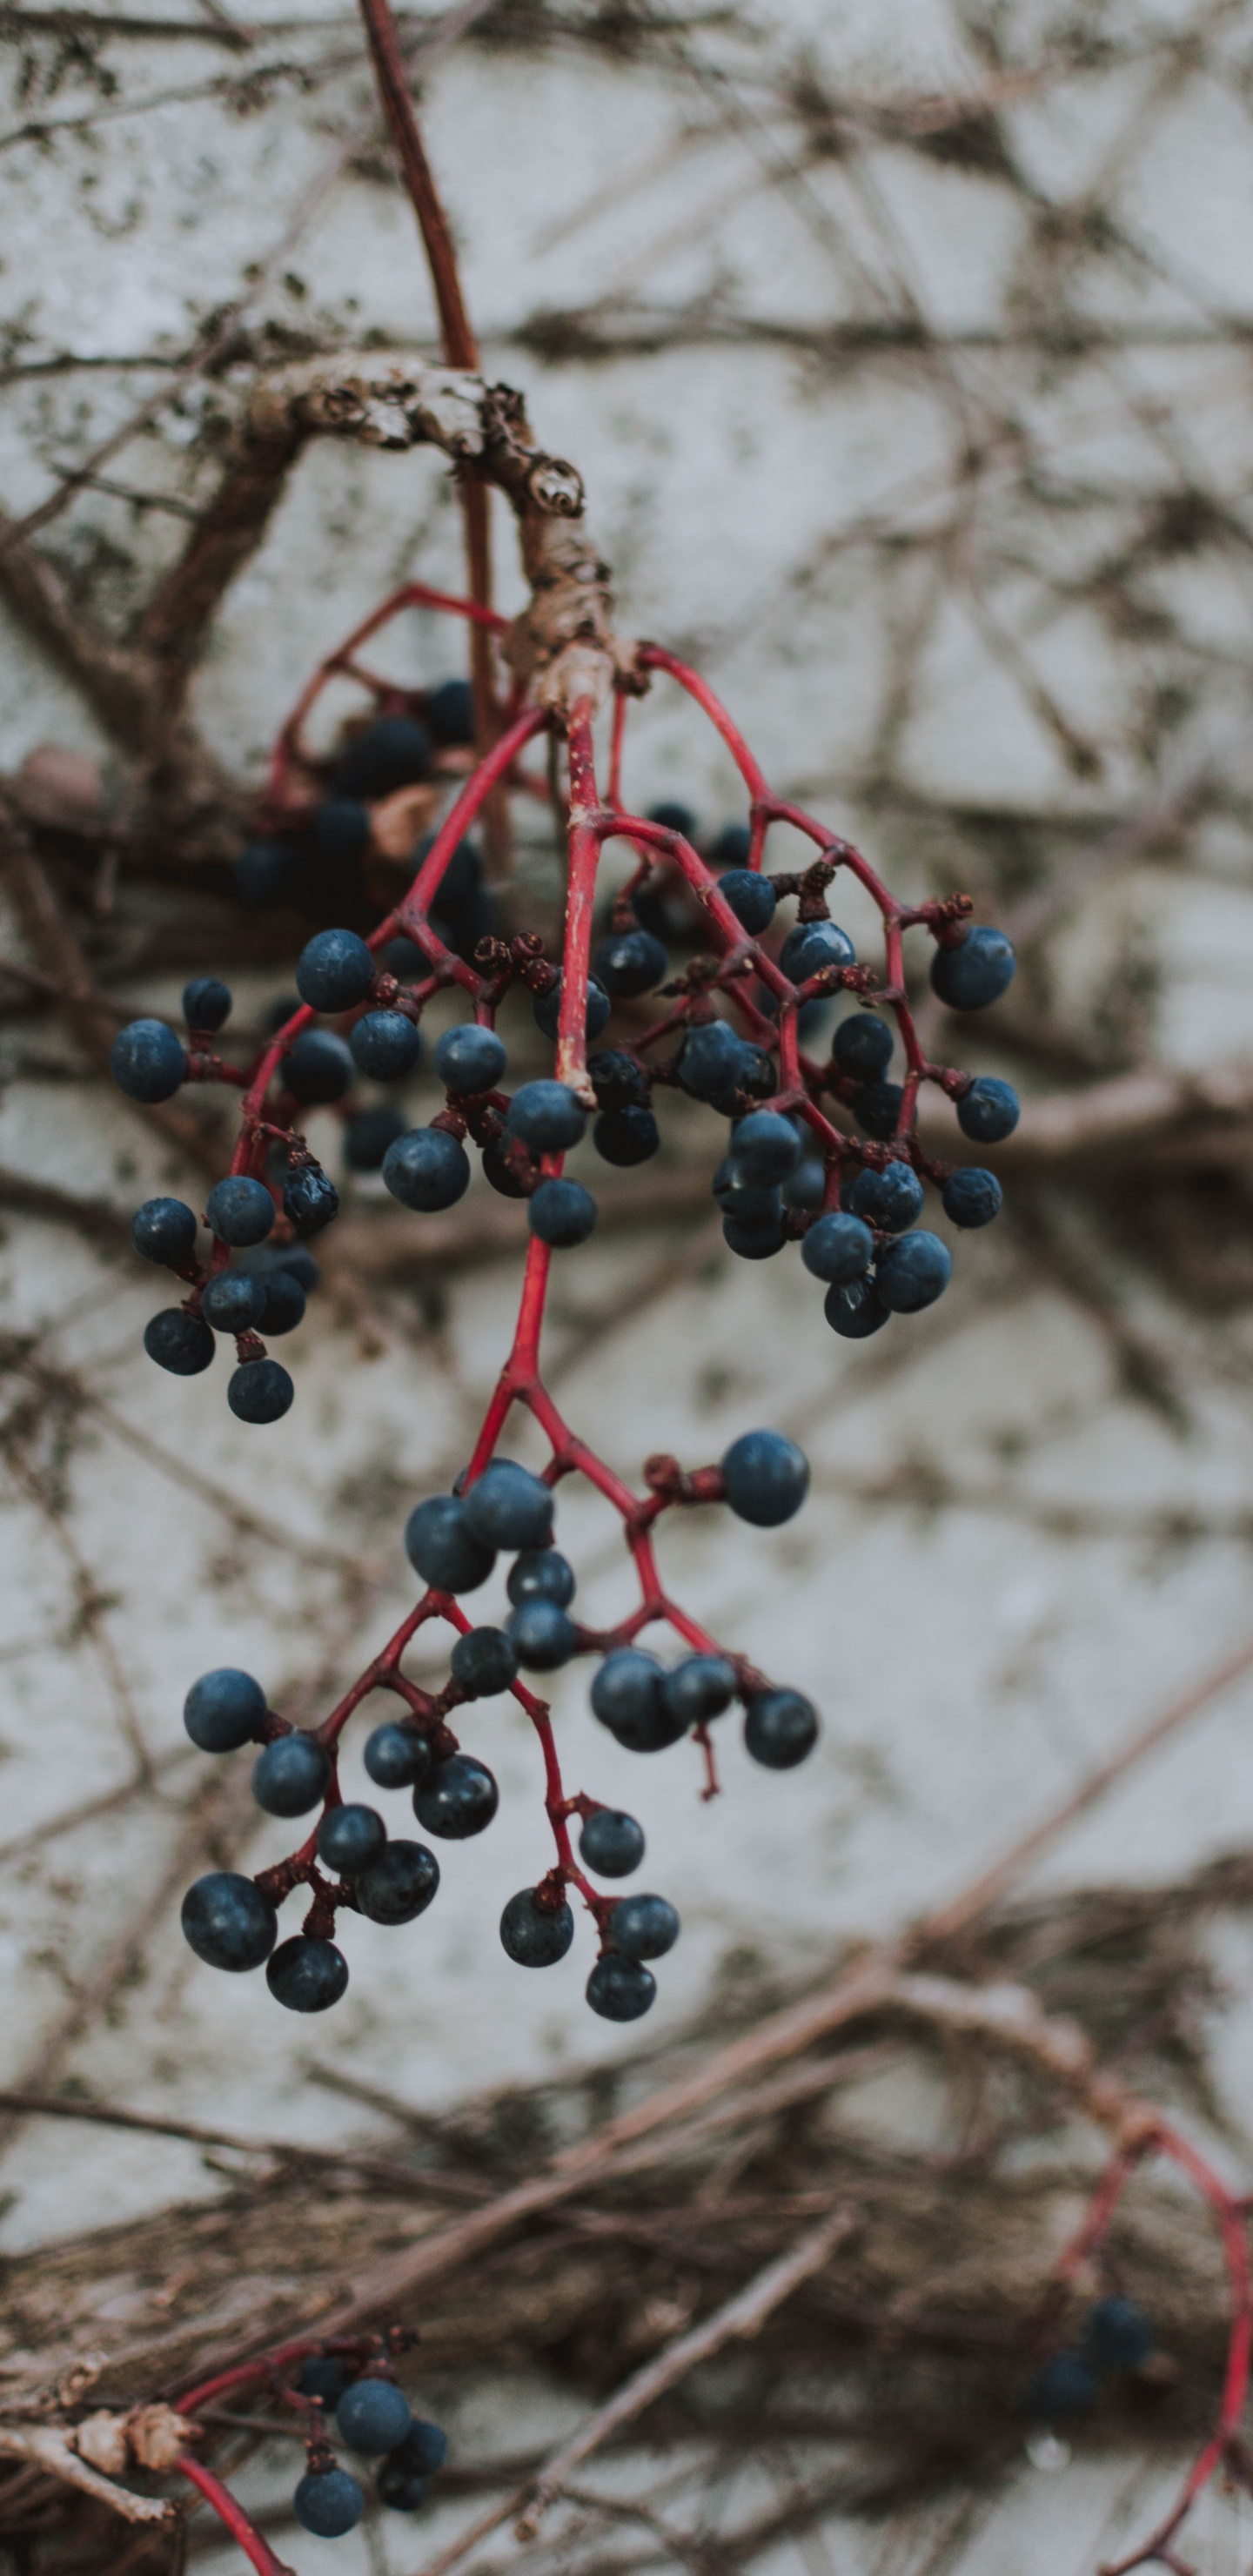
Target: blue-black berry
x=284, y=1302
x=310, y=1198
x=147, y=1061
x=702, y=1686
x=541, y=1574
x=373, y=2415
x=266, y=873
x=542, y=1636
x=626, y=1697
x=457, y=1798
x=394, y=751
x=399, y=1885
x=240, y=1210
x=318, y=1068
x=385, y=1045
x=427, y=1169
x=349, y=1838
x=854, y=1309
x=838, y=1248
x=620, y=1989
x=322, y=2375
x=643, y=1927
x=306, y=1975
x=862, y=1047
x=328, y=2502
x=501, y=1174
x=341, y=837
x=260, y=1391
x=178, y=1342
x=233, y=1301
x=561, y=1213
x=971, y=1197
x=546, y=1009
x=877, y=1109
x=423, y=2450
x=977, y=971
x=509, y=1507
x=334, y=971
x=368, y=1136
x=223, y=1710
x=766, y=1478
x=631, y=961
x=443, y=1548
x=813, y=945
x=892, y=1198
x=1067, y=2386
x=228, y=1922
x=546, y=1116
x=806, y=1187
x=751, y=896
x=913, y=1272
x=611, y=1843
x=617, y=1080
x=713, y=1060
x=753, y=1202
x=164, y=1230
x=626, y=1136
x=765, y=1148
x=450, y=712
x=536, y=1935
x=781, y=1727
x=396, y=1755
x=290, y=1775
x=484, y=1662
x=731, y=847
x=989, y=1111
x=1117, y=2335
x=207, y=1003
x=470, y=1059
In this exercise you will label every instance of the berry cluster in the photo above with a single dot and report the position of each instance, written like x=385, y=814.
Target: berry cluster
x=373, y=2418
x=1116, y=2338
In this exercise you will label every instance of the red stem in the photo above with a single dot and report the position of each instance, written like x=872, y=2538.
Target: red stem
x=238, y=2523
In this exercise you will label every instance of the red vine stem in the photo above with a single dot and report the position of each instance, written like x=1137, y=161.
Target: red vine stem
x=239, y=2524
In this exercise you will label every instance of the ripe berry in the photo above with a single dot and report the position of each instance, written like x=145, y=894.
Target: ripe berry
x=913, y=1272
x=620, y=1989
x=501, y=1174
x=423, y=2450
x=739, y=1197
x=341, y=836
x=626, y=1136
x=403, y=958
x=394, y=751
x=328, y=2502
x=294, y=1258
x=540, y=1574
x=730, y=848
x=813, y=945
x=611, y=1843
x=1065, y=2386
x=233, y=1301
x=546, y=1009
x=877, y=1109
x=290, y=1775
x=334, y=970
x=702, y=1686
x=322, y=2376
x=509, y=1507
x=450, y=712
x=781, y=1727
x=751, y=896
x=206, y=1003
x=426, y=1169
x=977, y=971
x=373, y=2415
x=240, y=1210
x=265, y=873
x=178, y=1342
x=892, y=1198
x=396, y=1755
x=223, y=1710
x=442, y=1547
x=617, y=1080
x=534, y=1935
x=754, y=1238
x=989, y=1111
x=260, y=1391
x=484, y=1662
x=307, y=1975
x=766, y=1478
x=457, y=1798
x=403, y=2489
x=318, y=1069
x=562, y=1213
x=838, y=1248
x=674, y=817
x=385, y=1045
x=228, y=1922
x=547, y=1116
x=368, y=1136
x=862, y=1047
x=971, y=1197
x=469, y=1058
x=854, y=1309
x=643, y=1927
x=1117, y=2335
x=631, y=961
x=147, y=1061
x=284, y=1302
x=163, y=1230
x=310, y=1198
x=806, y=1186
x=399, y=1885
x=542, y=1636
x=626, y=1697
x=349, y=1838
x=712, y=1060
x=765, y=1147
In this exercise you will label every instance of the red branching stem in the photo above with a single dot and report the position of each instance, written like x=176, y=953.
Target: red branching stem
x=586, y=833
x=277, y=802
x=239, y=2524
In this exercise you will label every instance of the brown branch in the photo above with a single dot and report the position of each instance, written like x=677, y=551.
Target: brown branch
x=49, y=2450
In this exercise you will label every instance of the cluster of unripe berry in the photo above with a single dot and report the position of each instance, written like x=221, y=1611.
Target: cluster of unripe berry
x=373, y=2418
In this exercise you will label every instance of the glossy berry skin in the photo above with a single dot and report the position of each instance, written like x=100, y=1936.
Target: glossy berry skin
x=396, y=1755
x=546, y=1116
x=892, y=1198
x=611, y=1843
x=781, y=1727
x=322, y=2376
x=233, y=1302
x=373, y=2415
x=290, y=1775
x=854, y=1309
x=626, y=1136
x=751, y=896
x=147, y=1061
x=328, y=2502
x=754, y=1238
x=178, y=1342
x=561, y=1213
x=426, y=1169
x=738, y=1196
x=240, y=1211
x=368, y=1137
x=385, y=1045
x=509, y=1507
x=458, y=1798
x=319, y=1068
x=621, y=1989
x=617, y=1080
x=977, y=971
x=207, y=1004
x=541, y=1574
x=838, y=1248
x=223, y=1710
x=164, y=1230
x=284, y=1306
x=260, y=1391
x=813, y=945
x=862, y=1047
x=469, y=1059
x=702, y=1686
x=877, y=1109
x=631, y=961
x=484, y=1662
x=546, y=1009
x=713, y=1059
x=228, y=1922
x=1067, y=2386
x=1117, y=2335
x=349, y=1838
x=334, y=971
x=399, y=1885
x=306, y=1975
x=626, y=1697
x=971, y=1197
x=766, y=1478
x=989, y=1111
x=913, y=1272
x=533, y=1935
x=442, y=1547
x=542, y=1636
x=310, y=1198
x=423, y=2450
x=450, y=712
x=643, y=1927
x=765, y=1148
x=394, y=751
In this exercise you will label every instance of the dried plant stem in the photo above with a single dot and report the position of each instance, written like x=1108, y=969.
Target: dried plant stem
x=48, y=2448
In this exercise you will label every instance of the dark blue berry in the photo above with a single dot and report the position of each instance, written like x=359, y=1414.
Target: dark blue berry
x=977, y=971
x=394, y=751
x=450, y=712
x=674, y=817
x=631, y=961
x=547, y=1117
x=913, y=1272
x=713, y=1060
x=751, y=896
x=334, y=970
x=971, y=1197
x=206, y=1003
x=396, y=1755
x=322, y=2376
x=838, y=1248
x=731, y=847
x=501, y=1174
x=443, y=1548
x=546, y=1009
x=1117, y=2335
x=164, y=1230
x=862, y=1047
x=423, y=2450
x=457, y=1798
x=643, y=1927
x=536, y=1935
x=739, y=1197
x=561, y=1213
x=260, y=1391
x=509, y=1507
x=240, y=1210
x=427, y=1169
x=781, y=1727
x=341, y=837
x=484, y=1662
x=319, y=1068
x=806, y=1187
x=399, y=1885
x=989, y=1111
x=178, y=1342
x=877, y=1109
x=290, y=1775
x=306, y=1975
x=223, y=1710
x=1066, y=2386
x=620, y=1989
x=702, y=1686
x=469, y=1059
x=765, y=1147
x=328, y=2502
x=766, y=1478
x=233, y=1302
x=813, y=945
x=385, y=1045
x=310, y=1198
x=266, y=872
x=618, y=1081
x=626, y=1697
x=228, y=1922
x=611, y=1843
x=294, y=1258
x=404, y=959
x=854, y=1309
x=403, y=2490
x=368, y=1136
x=373, y=2415
x=541, y=1574
x=892, y=1198
x=147, y=1061
x=626, y=1136
x=754, y=1238
x=543, y=1637
x=349, y=1838
x=284, y=1302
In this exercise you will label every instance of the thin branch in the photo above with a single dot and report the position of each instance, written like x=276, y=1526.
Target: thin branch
x=49, y=2449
